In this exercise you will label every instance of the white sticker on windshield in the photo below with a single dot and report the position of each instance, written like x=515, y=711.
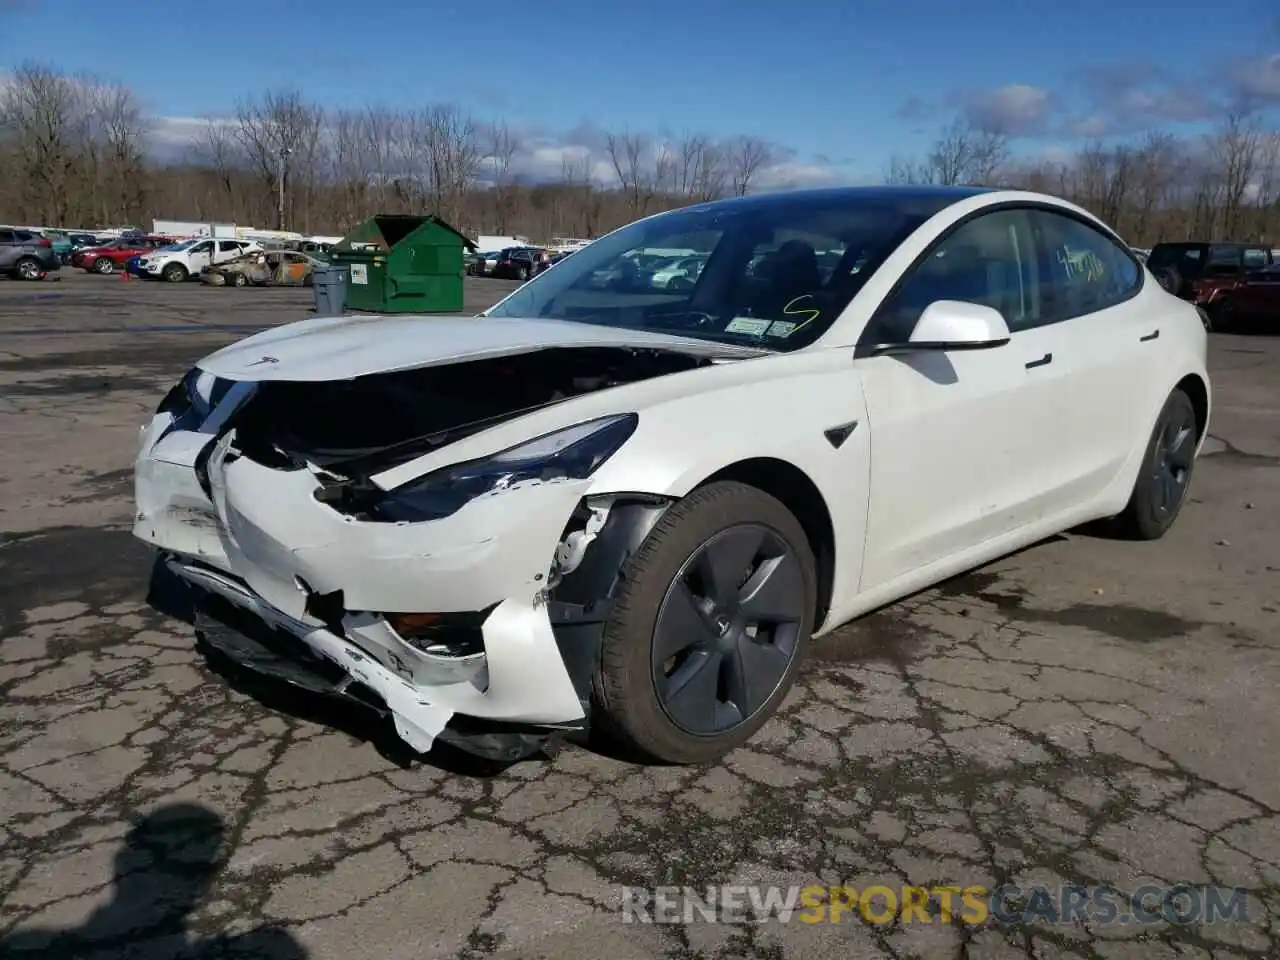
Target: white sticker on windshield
x=781, y=328
x=754, y=326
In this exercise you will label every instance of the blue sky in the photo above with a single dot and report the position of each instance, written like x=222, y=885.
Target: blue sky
x=841, y=86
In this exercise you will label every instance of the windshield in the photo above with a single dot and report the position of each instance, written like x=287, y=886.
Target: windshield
x=183, y=245
x=773, y=271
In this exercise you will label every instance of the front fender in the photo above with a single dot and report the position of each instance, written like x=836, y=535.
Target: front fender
x=681, y=442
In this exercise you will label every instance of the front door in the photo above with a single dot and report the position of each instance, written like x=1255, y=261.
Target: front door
x=198, y=258
x=962, y=441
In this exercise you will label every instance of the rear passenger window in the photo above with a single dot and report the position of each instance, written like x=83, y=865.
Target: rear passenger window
x=1084, y=271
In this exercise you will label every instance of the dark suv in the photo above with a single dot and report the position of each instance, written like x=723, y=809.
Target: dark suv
x=1183, y=268
x=25, y=255
x=521, y=263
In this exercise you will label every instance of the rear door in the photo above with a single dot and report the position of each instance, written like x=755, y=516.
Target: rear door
x=226, y=250
x=1258, y=297
x=198, y=256
x=1089, y=291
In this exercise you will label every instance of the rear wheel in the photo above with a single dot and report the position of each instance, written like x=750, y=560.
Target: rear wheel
x=706, y=633
x=1165, y=475
x=104, y=265
x=524, y=273
x=28, y=268
x=1223, y=316
x=238, y=280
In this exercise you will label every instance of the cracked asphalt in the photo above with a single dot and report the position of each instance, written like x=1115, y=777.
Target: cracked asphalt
x=1087, y=712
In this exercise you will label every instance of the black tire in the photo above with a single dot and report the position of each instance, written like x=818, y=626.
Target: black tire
x=1171, y=280
x=104, y=266
x=28, y=268
x=1158, y=495
x=627, y=700
x=1222, y=316
x=238, y=280
x=174, y=273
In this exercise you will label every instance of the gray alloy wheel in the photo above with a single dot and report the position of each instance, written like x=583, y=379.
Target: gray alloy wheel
x=728, y=629
x=28, y=268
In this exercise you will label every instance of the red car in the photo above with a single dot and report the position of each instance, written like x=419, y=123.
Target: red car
x=1251, y=299
x=112, y=256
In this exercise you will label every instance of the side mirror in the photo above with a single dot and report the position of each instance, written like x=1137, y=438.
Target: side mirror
x=958, y=325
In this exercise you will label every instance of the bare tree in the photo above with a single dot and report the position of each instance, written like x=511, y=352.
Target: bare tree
x=747, y=156
x=629, y=155
x=1235, y=149
x=117, y=137
x=280, y=133
x=45, y=111
x=501, y=150
x=966, y=154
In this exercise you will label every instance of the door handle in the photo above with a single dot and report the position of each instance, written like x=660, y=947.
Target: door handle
x=1150, y=336
x=1042, y=362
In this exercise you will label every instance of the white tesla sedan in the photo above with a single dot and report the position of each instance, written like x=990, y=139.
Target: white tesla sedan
x=636, y=507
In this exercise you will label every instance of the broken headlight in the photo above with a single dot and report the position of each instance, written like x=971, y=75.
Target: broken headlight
x=193, y=398
x=573, y=453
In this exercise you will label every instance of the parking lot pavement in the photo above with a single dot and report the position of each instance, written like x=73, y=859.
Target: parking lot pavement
x=1086, y=712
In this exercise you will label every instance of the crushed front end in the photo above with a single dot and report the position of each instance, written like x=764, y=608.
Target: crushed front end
x=466, y=604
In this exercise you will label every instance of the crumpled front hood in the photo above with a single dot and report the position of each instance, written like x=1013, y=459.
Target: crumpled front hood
x=339, y=348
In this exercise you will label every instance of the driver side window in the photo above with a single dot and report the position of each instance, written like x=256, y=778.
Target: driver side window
x=990, y=261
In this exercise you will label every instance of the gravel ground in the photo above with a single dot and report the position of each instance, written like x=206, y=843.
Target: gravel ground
x=1085, y=712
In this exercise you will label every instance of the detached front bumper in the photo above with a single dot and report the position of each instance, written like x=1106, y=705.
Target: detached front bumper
x=263, y=543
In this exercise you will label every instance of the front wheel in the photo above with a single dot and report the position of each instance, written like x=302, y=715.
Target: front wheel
x=28, y=268
x=238, y=280
x=1165, y=475
x=174, y=272
x=104, y=266
x=708, y=626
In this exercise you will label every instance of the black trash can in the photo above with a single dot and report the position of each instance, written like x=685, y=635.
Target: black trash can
x=329, y=285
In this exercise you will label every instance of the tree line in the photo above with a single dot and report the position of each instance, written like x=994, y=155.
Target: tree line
x=77, y=151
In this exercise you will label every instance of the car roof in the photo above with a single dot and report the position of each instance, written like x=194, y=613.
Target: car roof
x=943, y=196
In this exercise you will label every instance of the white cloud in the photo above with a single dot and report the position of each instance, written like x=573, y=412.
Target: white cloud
x=1014, y=109
x=795, y=175
x=181, y=131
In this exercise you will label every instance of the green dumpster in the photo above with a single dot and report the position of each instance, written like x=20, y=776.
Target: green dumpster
x=403, y=264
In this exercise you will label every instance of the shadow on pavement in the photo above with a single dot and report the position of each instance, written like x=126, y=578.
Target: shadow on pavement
x=167, y=865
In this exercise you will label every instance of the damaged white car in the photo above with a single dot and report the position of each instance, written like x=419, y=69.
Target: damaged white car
x=635, y=506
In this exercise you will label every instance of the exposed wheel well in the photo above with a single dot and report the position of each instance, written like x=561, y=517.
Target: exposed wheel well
x=800, y=495
x=1196, y=390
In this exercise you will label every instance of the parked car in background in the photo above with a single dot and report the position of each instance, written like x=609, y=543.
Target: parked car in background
x=485, y=262
x=1188, y=269
x=1246, y=301
x=112, y=256
x=61, y=243
x=276, y=268
x=26, y=255
x=185, y=260
x=678, y=274
x=521, y=263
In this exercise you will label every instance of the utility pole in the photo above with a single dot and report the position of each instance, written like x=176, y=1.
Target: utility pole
x=284, y=152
